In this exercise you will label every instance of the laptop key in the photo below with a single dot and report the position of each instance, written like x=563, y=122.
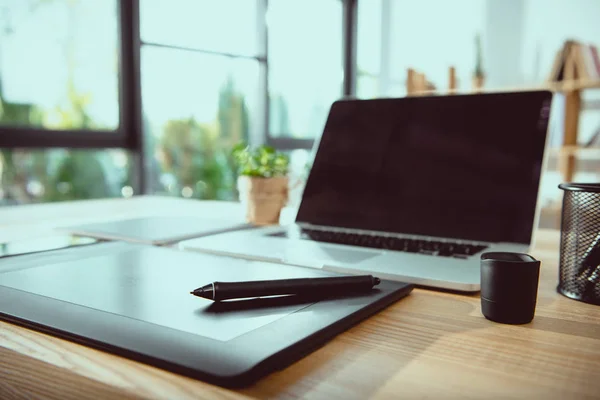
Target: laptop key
x=366, y=241
x=387, y=244
x=376, y=242
x=398, y=244
x=436, y=246
x=446, y=250
x=463, y=249
x=426, y=245
x=412, y=246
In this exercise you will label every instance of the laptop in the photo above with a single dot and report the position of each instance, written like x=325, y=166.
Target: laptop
x=413, y=189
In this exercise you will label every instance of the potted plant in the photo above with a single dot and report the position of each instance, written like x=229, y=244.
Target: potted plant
x=262, y=182
x=478, y=74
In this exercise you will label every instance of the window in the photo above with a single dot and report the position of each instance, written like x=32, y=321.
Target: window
x=30, y=176
x=204, y=83
x=427, y=41
x=299, y=168
x=224, y=26
x=201, y=91
x=195, y=118
x=305, y=65
x=59, y=64
x=171, y=86
x=59, y=87
x=369, y=43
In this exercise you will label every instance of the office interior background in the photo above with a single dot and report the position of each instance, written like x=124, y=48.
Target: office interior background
x=109, y=98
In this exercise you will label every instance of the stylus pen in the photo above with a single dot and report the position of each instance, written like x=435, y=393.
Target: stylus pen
x=318, y=287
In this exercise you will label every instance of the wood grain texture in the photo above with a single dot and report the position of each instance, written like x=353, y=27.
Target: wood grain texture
x=452, y=82
x=432, y=344
x=570, y=133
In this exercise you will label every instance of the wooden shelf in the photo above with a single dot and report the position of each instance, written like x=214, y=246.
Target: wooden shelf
x=567, y=86
x=576, y=151
x=562, y=86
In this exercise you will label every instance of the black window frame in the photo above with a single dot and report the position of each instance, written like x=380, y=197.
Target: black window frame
x=125, y=136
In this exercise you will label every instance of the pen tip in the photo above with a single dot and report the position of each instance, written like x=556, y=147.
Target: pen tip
x=377, y=281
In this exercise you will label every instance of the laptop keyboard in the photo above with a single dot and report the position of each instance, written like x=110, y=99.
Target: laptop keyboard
x=429, y=247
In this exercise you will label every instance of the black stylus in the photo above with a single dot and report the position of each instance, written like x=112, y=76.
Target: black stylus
x=318, y=287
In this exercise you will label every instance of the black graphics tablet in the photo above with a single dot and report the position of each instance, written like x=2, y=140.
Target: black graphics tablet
x=134, y=301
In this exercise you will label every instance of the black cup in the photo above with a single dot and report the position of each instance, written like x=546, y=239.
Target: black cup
x=509, y=284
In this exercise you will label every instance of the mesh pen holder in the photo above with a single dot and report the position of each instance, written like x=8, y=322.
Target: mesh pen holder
x=579, y=268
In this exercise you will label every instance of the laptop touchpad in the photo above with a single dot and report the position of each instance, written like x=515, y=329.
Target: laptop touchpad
x=347, y=256
x=313, y=254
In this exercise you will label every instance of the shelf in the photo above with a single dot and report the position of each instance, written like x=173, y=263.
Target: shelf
x=577, y=151
x=563, y=86
x=567, y=86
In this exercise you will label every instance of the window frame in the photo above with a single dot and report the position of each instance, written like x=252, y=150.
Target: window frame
x=129, y=135
x=125, y=136
x=349, y=29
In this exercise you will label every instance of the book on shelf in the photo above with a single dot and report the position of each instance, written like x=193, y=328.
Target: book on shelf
x=576, y=61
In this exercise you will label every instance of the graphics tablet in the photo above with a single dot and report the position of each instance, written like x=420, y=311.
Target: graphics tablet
x=134, y=301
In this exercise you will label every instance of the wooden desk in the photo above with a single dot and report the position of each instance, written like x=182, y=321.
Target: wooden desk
x=430, y=345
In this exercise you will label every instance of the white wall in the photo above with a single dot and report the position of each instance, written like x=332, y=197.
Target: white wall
x=548, y=23
x=432, y=35
x=523, y=36
x=520, y=37
x=504, y=29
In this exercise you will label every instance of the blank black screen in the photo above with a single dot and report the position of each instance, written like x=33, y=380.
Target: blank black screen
x=462, y=166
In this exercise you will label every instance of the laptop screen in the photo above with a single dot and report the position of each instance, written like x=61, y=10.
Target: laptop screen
x=461, y=166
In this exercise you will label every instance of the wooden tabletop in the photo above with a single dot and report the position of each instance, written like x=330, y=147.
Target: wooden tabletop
x=431, y=344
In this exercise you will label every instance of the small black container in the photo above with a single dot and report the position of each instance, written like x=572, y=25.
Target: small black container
x=579, y=269
x=509, y=284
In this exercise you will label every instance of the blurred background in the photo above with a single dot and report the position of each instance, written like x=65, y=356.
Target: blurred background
x=113, y=98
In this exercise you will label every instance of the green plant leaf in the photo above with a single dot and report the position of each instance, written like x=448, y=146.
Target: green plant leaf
x=239, y=148
x=263, y=161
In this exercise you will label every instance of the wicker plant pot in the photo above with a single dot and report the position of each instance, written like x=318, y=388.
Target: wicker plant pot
x=263, y=198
